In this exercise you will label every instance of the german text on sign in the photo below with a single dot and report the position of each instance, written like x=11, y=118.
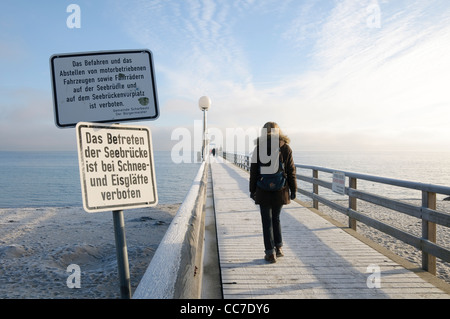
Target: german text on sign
x=106, y=86
x=116, y=167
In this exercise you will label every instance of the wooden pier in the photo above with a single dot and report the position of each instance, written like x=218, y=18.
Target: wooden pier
x=321, y=259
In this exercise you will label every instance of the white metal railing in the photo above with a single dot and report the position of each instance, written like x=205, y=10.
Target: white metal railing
x=172, y=270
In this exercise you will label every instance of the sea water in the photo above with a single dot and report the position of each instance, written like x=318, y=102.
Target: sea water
x=36, y=179
x=421, y=167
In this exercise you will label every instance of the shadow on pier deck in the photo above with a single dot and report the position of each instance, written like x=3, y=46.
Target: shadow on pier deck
x=321, y=259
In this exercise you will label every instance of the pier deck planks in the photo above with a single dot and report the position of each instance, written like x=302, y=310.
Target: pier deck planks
x=321, y=260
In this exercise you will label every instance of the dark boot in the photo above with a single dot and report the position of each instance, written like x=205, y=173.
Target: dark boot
x=280, y=252
x=271, y=258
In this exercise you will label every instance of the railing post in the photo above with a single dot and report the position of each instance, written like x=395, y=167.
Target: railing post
x=429, y=232
x=315, y=189
x=352, y=203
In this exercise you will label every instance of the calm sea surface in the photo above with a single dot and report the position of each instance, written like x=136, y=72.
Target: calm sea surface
x=33, y=179
x=428, y=168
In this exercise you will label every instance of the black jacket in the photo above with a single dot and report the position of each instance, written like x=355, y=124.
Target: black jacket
x=277, y=198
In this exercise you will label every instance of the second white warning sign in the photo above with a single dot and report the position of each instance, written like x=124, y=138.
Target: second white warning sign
x=116, y=167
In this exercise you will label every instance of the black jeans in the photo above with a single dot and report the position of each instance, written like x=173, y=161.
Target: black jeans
x=270, y=217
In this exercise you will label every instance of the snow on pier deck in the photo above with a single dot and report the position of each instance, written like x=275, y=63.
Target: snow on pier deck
x=321, y=260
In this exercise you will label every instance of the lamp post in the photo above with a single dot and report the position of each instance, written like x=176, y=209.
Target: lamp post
x=204, y=103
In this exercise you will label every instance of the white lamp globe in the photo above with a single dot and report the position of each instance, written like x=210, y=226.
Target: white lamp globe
x=204, y=103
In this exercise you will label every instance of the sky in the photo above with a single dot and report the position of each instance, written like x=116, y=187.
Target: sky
x=335, y=75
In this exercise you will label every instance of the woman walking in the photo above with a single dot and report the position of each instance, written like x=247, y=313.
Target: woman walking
x=272, y=154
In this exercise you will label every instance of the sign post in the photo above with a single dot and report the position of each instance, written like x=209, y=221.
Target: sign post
x=116, y=172
x=116, y=162
x=122, y=254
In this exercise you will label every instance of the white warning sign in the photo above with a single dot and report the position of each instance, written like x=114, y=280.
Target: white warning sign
x=105, y=86
x=338, y=185
x=116, y=167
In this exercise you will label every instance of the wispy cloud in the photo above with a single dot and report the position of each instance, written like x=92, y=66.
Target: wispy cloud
x=195, y=36
x=328, y=69
x=389, y=81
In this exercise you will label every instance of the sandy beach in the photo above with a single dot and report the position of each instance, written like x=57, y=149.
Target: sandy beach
x=38, y=244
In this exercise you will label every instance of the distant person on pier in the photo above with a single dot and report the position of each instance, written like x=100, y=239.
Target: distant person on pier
x=272, y=161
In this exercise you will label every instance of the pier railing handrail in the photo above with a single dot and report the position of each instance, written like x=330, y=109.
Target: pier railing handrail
x=438, y=189
x=179, y=255
x=426, y=212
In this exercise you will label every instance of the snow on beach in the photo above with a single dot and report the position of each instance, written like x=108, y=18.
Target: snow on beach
x=38, y=244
